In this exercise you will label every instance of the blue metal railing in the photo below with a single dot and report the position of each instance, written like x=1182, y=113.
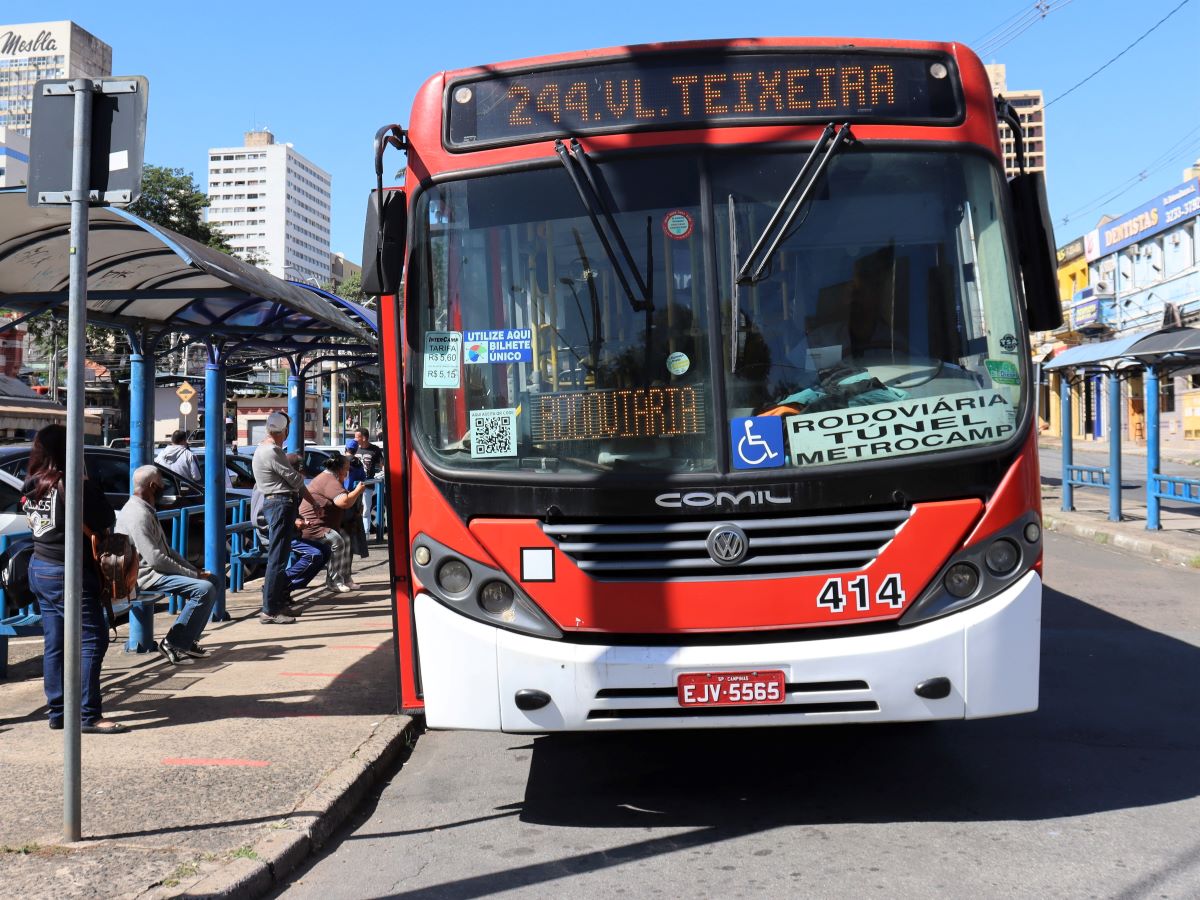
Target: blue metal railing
x=1088, y=476
x=1168, y=487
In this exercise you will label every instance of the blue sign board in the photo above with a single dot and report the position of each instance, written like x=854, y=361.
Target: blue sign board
x=757, y=442
x=1164, y=211
x=500, y=346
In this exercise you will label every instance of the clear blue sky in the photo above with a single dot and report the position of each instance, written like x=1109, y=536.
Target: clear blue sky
x=325, y=75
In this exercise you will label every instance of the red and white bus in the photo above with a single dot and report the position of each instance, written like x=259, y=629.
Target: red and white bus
x=708, y=392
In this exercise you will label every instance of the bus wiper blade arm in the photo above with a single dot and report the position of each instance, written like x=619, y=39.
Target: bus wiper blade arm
x=575, y=161
x=806, y=179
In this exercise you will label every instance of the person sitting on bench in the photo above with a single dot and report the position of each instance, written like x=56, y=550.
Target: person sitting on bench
x=162, y=569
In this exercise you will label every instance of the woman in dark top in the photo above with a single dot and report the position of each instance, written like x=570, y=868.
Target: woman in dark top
x=45, y=508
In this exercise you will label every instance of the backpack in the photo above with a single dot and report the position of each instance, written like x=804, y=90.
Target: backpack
x=117, y=563
x=14, y=573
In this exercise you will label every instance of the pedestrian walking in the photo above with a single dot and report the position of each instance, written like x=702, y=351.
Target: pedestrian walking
x=372, y=462
x=356, y=521
x=179, y=458
x=44, y=505
x=323, y=516
x=163, y=569
x=279, y=484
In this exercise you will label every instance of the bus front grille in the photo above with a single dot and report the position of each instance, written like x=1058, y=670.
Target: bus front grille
x=677, y=550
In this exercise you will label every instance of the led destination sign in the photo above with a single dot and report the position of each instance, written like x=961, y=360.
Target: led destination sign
x=633, y=413
x=678, y=92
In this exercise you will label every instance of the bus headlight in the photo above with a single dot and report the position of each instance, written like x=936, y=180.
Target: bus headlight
x=980, y=571
x=477, y=590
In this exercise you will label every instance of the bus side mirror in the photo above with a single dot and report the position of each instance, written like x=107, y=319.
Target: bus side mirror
x=383, y=247
x=1036, y=251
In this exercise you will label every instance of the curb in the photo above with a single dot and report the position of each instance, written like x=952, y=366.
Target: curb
x=1141, y=546
x=282, y=849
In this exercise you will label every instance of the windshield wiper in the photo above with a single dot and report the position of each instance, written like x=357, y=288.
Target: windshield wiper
x=831, y=140
x=576, y=161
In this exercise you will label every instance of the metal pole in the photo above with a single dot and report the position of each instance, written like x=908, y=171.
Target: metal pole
x=335, y=409
x=214, y=477
x=137, y=406
x=73, y=526
x=1064, y=393
x=1114, y=447
x=295, y=394
x=1152, y=449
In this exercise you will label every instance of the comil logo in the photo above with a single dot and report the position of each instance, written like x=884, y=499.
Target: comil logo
x=702, y=499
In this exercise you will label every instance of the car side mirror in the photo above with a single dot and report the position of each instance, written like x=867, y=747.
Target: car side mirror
x=1036, y=251
x=384, y=237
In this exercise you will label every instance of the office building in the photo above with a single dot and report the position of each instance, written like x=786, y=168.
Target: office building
x=1030, y=107
x=37, y=50
x=14, y=158
x=273, y=207
x=341, y=269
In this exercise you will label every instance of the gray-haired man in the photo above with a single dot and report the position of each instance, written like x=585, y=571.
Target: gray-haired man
x=162, y=569
x=279, y=484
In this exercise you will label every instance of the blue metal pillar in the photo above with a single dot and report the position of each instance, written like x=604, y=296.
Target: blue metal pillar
x=214, y=476
x=1153, y=461
x=1114, y=446
x=295, y=393
x=137, y=404
x=150, y=361
x=1064, y=393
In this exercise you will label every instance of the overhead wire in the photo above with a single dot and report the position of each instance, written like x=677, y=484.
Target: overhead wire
x=1013, y=28
x=1137, y=41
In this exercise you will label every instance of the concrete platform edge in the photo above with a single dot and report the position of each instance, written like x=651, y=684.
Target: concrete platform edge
x=1146, y=547
x=288, y=843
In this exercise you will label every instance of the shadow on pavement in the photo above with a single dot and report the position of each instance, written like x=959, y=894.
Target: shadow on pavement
x=1119, y=727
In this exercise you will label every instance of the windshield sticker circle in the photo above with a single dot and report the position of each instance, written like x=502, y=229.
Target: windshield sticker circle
x=678, y=224
x=1008, y=343
x=678, y=363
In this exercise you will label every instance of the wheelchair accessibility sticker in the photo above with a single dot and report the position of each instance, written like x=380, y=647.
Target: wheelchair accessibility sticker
x=757, y=442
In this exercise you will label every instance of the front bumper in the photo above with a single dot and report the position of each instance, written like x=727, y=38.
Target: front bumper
x=990, y=654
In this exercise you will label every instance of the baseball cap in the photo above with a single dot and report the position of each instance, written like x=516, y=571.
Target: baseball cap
x=352, y=444
x=278, y=422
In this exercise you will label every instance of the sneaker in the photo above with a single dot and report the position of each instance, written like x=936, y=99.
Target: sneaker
x=354, y=585
x=276, y=619
x=173, y=654
x=340, y=588
x=197, y=652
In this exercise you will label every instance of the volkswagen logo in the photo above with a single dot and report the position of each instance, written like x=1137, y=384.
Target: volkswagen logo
x=727, y=545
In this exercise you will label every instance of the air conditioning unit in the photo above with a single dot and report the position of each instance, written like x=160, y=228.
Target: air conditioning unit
x=1102, y=287
x=1107, y=266
x=1176, y=239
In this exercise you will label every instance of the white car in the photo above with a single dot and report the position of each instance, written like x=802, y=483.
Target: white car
x=12, y=518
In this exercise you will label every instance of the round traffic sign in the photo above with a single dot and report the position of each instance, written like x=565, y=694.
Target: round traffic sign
x=185, y=408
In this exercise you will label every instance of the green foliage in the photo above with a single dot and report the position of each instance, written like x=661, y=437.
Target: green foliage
x=351, y=289
x=171, y=198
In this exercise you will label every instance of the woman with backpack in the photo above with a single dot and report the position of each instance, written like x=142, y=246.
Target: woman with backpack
x=44, y=504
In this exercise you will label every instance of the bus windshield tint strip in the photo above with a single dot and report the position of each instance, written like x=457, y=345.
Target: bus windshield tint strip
x=673, y=92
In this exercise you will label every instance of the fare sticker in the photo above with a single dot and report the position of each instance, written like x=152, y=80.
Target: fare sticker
x=678, y=224
x=442, y=360
x=950, y=422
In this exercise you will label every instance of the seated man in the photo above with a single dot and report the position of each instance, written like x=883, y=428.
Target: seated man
x=308, y=556
x=162, y=569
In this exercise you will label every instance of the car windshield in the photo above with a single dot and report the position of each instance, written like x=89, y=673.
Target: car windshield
x=884, y=325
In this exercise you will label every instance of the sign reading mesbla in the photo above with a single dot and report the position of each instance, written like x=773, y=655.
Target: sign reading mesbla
x=900, y=428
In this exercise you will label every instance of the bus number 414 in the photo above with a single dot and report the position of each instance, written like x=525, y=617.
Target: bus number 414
x=889, y=593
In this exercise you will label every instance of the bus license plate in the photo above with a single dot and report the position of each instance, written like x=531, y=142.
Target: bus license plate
x=732, y=688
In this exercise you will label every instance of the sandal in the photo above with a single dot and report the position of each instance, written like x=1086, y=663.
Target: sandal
x=104, y=726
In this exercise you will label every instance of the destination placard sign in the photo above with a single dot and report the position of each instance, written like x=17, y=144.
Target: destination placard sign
x=673, y=91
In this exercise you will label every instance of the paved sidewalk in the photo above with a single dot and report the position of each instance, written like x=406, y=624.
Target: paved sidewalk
x=236, y=766
x=1185, y=453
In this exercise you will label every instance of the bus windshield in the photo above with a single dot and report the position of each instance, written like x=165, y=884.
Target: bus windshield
x=885, y=324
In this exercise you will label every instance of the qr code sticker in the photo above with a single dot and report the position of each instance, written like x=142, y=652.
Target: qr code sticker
x=493, y=433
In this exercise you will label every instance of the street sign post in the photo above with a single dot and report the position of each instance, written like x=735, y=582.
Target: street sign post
x=107, y=141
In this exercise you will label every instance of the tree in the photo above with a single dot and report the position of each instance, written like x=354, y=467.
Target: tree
x=351, y=289
x=171, y=198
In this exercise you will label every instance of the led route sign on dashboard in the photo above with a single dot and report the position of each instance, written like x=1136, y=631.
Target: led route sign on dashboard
x=678, y=92
x=631, y=413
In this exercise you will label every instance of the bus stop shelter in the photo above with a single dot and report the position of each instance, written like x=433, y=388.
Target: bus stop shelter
x=1156, y=353
x=150, y=282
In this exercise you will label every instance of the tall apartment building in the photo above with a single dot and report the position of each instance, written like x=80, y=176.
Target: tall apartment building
x=273, y=207
x=1030, y=107
x=14, y=158
x=39, y=50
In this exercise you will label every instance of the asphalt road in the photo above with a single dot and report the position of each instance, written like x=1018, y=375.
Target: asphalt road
x=1095, y=795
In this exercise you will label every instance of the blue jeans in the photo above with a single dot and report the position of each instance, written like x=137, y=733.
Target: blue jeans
x=280, y=513
x=310, y=558
x=46, y=581
x=200, y=595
